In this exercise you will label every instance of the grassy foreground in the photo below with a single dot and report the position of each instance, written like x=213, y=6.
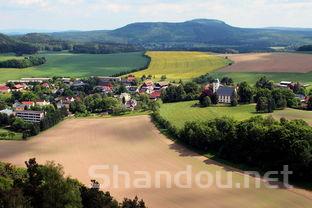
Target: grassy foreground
x=77, y=65
x=179, y=113
x=181, y=65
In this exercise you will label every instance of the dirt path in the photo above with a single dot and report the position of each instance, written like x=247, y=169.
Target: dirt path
x=134, y=144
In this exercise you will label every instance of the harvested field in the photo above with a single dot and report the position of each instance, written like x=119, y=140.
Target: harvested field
x=182, y=65
x=134, y=144
x=270, y=62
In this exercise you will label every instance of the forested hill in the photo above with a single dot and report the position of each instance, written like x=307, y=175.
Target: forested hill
x=45, y=42
x=10, y=45
x=195, y=34
x=198, y=34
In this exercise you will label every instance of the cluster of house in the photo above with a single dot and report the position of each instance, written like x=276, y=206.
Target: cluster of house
x=23, y=109
x=105, y=85
x=24, y=84
x=153, y=90
x=292, y=85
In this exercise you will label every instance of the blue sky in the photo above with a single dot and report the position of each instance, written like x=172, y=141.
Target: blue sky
x=110, y=14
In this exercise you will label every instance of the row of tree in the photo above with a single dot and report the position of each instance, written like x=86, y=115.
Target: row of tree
x=23, y=63
x=46, y=186
x=262, y=143
x=104, y=48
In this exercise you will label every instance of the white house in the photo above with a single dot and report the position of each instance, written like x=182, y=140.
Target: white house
x=42, y=103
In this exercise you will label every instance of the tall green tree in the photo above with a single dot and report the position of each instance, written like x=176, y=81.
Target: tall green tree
x=245, y=92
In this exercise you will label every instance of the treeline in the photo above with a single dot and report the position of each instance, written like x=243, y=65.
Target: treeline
x=206, y=47
x=105, y=48
x=135, y=70
x=23, y=63
x=305, y=48
x=46, y=186
x=261, y=143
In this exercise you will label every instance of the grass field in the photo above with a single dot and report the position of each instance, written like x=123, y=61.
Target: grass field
x=181, y=65
x=17, y=136
x=134, y=144
x=78, y=65
x=179, y=113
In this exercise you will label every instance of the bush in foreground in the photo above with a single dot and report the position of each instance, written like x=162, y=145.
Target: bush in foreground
x=44, y=186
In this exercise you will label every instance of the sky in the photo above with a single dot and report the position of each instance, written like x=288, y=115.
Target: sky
x=57, y=15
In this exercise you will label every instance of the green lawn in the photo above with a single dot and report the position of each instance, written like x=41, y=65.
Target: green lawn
x=181, y=65
x=17, y=136
x=252, y=77
x=179, y=113
x=78, y=65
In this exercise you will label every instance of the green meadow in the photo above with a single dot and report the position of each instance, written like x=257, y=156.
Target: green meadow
x=179, y=113
x=77, y=65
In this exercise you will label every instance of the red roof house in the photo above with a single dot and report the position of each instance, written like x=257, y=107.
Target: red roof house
x=46, y=85
x=4, y=88
x=155, y=95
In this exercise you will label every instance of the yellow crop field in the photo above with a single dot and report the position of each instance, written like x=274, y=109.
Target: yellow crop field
x=181, y=65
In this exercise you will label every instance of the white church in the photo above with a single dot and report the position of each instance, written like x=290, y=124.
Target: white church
x=225, y=93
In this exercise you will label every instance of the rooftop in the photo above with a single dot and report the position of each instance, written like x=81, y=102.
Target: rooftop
x=225, y=91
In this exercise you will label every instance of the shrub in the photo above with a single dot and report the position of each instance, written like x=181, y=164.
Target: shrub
x=205, y=101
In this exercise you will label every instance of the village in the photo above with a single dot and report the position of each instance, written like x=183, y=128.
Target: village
x=62, y=92
x=28, y=97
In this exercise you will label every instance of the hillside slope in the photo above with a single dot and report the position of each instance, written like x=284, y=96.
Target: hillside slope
x=10, y=45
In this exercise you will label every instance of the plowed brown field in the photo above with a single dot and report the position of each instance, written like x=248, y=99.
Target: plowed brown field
x=270, y=62
x=134, y=144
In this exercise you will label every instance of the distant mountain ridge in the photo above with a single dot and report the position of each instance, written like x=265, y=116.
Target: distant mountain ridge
x=197, y=34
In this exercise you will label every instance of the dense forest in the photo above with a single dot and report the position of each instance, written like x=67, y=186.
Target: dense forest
x=10, y=45
x=45, y=42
